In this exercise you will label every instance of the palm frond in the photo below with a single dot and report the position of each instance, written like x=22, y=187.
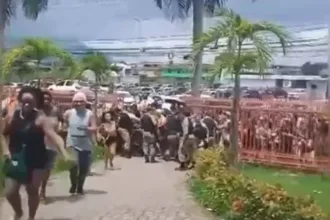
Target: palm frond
x=32, y=8
x=174, y=8
x=10, y=57
x=37, y=50
x=214, y=34
x=9, y=7
x=210, y=5
x=279, y=32
x=98, y=63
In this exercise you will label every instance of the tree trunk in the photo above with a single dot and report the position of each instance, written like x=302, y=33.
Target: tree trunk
x=198, y=18
x=234, y=136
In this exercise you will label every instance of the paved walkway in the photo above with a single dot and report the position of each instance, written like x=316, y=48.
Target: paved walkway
x=138, y=191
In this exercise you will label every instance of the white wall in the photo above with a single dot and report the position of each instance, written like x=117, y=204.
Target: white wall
x=319, y=92
x=257, y=83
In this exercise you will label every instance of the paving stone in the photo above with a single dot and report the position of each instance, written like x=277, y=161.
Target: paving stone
x=138, y=191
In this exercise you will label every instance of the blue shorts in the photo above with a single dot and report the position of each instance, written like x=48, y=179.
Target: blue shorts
x=51, y=159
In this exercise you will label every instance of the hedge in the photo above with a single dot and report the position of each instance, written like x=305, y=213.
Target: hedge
x=232, y=196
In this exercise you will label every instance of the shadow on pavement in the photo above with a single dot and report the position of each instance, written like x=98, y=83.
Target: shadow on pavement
x=55, y=219
x=67, y=198
x=95, y=192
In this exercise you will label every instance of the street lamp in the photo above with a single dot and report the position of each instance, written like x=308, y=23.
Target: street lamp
x=138, y=20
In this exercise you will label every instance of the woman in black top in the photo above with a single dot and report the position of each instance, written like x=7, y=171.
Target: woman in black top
x=26, y=128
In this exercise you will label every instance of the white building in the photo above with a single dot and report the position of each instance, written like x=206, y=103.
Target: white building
x=316, y=86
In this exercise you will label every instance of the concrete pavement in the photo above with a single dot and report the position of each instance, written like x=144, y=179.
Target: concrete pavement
x=138, y=191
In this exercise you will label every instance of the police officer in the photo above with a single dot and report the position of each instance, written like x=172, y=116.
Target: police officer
x=174, y=132
x=149, y=128
x=187, y=143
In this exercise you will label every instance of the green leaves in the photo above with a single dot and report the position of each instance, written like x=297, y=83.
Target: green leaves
x=235, y=32
x=34, y=51
x=229, y=194
x=31, y=8
x=97, y=63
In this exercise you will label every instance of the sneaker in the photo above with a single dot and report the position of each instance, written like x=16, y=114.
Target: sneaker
x=73, y=190
x=80, y=191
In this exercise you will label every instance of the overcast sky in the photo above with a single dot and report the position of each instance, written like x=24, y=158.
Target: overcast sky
x=87, y=20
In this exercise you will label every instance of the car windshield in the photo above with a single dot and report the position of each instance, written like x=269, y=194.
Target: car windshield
x=123, y=94
x=84, y=84
x=145, y=89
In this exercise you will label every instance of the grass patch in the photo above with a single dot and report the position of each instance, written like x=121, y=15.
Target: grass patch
x=296, y=184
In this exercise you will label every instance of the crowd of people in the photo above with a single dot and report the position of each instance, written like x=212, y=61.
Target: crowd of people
x=35, y=131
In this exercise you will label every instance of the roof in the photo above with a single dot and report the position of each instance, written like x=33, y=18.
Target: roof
x=284, y=77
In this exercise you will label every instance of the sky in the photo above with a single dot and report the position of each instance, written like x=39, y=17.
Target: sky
x=115, y=19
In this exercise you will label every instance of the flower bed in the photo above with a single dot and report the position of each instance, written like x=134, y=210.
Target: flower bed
x=231, y=195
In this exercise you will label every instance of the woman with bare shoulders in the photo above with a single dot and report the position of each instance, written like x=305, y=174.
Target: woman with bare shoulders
x=108, y=134
x=26, y=128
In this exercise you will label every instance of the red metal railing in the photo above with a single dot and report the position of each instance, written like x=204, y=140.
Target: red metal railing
x=291, y=134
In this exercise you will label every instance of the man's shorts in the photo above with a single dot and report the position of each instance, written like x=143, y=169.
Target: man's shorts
x=51, y=159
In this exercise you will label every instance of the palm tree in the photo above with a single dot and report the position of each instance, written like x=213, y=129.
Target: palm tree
x=31, y=10
x=237, y=31
x=180, y=9
x=99, y=65
x=21, y=69
x=33, y=51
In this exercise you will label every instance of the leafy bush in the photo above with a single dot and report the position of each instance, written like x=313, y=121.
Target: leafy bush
x=231, y=195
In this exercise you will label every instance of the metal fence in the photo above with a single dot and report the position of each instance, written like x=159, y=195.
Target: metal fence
x=291, y=134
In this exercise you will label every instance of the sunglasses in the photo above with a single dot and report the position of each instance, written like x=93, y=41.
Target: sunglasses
x=78, y=102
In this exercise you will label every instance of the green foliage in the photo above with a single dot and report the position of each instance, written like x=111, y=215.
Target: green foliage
x=180, y=8
x=98, y=63
x=31, y=8
x=34, y=50
x=231, y=195
x=236, y=31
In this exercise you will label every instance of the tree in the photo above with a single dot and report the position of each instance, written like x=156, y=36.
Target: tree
x=33, y=51
x=99, y=65
x=313, y=69
x=236, y=31
x=31, y=10
x=21, y=69
x=180, y=9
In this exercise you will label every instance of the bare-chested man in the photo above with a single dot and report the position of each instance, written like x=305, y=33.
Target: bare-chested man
x=53, y=113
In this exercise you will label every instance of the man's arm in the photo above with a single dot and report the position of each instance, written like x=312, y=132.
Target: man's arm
x=92, y=123
x=185, y=126
x=48, y=128
x=65, y=118
x=207, y=130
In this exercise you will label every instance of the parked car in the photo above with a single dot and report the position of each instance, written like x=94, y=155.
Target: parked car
x=69, y=85
x=125, y=96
